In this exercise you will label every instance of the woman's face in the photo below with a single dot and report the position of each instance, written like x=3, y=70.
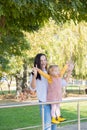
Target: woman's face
x=43, y=62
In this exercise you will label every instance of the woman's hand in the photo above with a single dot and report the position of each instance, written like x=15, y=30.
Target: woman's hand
x=33, y=82
x=35, y=71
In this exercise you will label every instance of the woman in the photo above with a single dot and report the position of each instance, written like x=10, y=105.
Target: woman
x=40, y=84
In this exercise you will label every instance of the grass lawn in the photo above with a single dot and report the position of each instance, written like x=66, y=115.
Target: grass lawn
x=69, y=110
x=13, y=118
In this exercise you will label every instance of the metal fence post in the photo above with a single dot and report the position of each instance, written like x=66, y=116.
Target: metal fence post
x=78, y=111
x=42, y=116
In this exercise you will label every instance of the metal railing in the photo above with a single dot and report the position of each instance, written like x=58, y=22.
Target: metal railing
x=78, y=100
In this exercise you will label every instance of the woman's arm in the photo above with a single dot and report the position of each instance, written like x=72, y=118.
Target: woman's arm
x=33, y=80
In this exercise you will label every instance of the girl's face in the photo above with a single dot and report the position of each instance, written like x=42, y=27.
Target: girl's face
x=54, y=71
x=43, y=62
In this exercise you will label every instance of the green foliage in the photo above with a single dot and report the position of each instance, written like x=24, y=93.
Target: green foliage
x=25, y=14
x=17, y=16
x=62, y=43
x=31, y=14
x=3, y=63
x=12, y=46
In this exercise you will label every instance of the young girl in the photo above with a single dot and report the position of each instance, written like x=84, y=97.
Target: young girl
x=55, y=83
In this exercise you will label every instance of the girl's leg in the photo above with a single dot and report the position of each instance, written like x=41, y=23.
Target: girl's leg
x=53, y=114
x=58, y=110
x=58, y=113
x=53, y=110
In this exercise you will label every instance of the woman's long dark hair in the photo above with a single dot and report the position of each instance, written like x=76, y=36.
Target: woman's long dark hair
x=38, y=63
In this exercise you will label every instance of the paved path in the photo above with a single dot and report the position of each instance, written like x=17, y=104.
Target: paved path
x=83, y=126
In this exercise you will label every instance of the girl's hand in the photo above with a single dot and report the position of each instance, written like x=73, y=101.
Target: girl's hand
x=70, y=66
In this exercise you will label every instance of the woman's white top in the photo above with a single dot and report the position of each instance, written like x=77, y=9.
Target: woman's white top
x=41, y=88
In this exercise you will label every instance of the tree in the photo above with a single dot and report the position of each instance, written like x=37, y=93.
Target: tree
x=12, y=50
x=31, y=14
x=17, y=16
x=62, y=43
x=11, y=46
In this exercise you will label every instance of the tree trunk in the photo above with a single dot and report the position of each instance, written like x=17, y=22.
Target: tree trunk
x=24, y=81
x=86, y=90
x=9, y=84
x=18, y=80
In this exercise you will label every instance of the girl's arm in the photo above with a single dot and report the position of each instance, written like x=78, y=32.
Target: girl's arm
x=45, y=75
x=69, y=71
x=63, y=70
x=68, y=67
x=67, y=76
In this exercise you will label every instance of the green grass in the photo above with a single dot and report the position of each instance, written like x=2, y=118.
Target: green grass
x=69, y=110
x=12, y=118
x=19, y=117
